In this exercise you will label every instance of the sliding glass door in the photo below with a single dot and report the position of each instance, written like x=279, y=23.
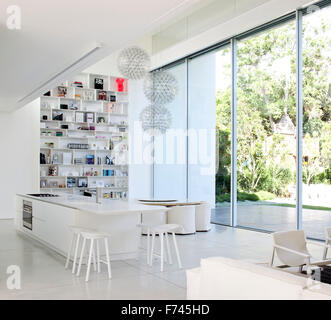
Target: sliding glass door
x=266, y=133
x=316, y=184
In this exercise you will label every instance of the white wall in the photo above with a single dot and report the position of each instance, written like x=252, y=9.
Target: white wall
x=244, y=18
x=19, y=160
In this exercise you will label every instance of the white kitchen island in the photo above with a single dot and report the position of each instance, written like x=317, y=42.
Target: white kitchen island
x=51, y=218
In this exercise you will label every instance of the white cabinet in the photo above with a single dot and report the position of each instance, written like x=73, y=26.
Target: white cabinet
x=51, y=224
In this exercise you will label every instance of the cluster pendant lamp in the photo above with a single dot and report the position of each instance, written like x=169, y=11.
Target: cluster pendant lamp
x=160, y=88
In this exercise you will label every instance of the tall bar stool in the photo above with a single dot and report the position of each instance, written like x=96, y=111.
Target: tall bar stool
x=146, y=229
x=75, y=242
x=94, y=238
x=162, y=231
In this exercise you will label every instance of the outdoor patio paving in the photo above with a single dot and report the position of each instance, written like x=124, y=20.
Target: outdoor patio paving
x=275, y=218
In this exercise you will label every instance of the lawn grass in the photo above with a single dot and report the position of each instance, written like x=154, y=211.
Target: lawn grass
x=304, y=206
x=264, y=196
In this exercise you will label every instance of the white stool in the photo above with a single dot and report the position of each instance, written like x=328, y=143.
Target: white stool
x=162, y=231
x=94, y=237
x=202, y=217
x=146, y=229
x=75, y=241
x=183, y=216
x=154, y=219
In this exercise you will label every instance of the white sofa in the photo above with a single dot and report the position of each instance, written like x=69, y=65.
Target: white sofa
x=221, y=278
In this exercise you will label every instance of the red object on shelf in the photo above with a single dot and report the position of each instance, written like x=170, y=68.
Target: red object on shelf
x=120, y=84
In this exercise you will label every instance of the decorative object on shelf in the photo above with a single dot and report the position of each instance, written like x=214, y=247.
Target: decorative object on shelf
x=89, y=117
x=111, y=144
x=79, y=146
x=62, y=91
x=45, y=117
x=78, y=161
x=77, y=84
x=102, y=95
x=82, y=183
x=71, y=182
x=49, y=144
x=42, y=158
x=78, y=96
x=43, y=183
x=120, y=84
x=43, y=173
x=110, y=107
x=101, y=120
x=55, y=159
x=98, y=83
x=90, y=159
x=64, y=106
x=80, y=116
x=88, y=95
x=160, y=87
x=52, y=171
x=57, y=116
x=112, y=98
x=53, y=184
x=133, y=63
x=155, y=119
x=109, y=161
x=73, y=105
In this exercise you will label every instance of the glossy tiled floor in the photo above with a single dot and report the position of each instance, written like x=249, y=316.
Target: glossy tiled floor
x=44, y=277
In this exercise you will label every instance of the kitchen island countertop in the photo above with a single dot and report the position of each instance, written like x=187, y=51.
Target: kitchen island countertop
x=89, y=205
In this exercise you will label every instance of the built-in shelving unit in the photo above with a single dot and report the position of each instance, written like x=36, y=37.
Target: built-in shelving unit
x=84, y=136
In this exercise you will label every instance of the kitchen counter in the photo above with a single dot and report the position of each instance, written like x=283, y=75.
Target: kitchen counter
x=106, y=207
x=51, y=218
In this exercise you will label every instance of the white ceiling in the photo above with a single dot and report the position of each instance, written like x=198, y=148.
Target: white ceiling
x=54, y=34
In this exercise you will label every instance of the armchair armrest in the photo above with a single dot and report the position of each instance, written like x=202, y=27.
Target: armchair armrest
x=304, y=255
x=320, y=244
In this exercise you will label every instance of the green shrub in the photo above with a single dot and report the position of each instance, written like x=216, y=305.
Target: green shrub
x=242, y=196
x=225, y=197
x=265, y=195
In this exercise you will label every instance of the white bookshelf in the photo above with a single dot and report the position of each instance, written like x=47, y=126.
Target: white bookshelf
x=97, y=128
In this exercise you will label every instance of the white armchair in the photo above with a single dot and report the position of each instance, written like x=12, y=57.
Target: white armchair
x=291, y=249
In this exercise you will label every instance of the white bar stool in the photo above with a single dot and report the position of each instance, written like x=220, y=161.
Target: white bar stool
x=75, y=242
x=146, y=229
x=94, y=238
x=162, y=231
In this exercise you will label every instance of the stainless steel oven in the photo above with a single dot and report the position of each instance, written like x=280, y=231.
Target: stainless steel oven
x=27, y=214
